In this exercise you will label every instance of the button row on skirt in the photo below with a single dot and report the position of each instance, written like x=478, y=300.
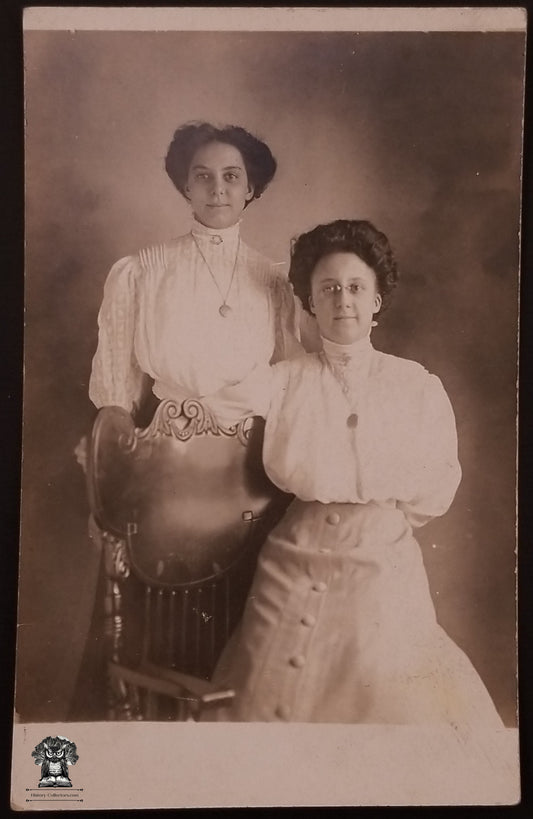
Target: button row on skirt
x=299, y=660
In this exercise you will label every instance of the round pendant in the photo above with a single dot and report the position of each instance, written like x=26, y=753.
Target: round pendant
x=352, y=420
x=216, y=239
x=224, y=310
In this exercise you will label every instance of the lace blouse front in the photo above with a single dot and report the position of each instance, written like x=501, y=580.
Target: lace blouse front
x=160, y=316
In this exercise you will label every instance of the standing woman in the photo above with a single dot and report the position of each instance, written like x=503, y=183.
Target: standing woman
x=192, y=315
x=199, y=312
x=339, y=625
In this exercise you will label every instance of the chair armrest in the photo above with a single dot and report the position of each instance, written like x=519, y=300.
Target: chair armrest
x=204, y=691
x=170, y=683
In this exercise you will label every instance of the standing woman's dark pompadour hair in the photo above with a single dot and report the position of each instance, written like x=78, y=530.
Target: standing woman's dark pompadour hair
x=343, y=236
x=258, y=160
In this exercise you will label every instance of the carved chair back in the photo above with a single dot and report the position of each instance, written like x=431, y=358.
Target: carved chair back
x=184, y=505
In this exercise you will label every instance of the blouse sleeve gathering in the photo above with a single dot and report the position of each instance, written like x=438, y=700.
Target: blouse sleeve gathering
x=116, y=378
x=438, y=468
x=287, y=344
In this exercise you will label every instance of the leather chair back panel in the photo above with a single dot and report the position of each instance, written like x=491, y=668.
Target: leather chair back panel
x=186, y=506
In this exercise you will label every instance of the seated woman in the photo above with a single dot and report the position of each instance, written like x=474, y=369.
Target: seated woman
x=339, y=625
x=199, y=312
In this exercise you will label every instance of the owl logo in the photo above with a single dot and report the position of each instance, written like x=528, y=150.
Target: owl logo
x=54, y=755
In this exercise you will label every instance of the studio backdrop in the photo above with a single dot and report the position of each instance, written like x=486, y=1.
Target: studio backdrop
x=419, y=133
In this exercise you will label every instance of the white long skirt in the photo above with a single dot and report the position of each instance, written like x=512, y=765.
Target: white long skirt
x=339, y=626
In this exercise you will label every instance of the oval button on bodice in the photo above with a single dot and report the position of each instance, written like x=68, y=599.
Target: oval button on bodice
x=309, y=620
x=320, y=586
x=352, y=420
x=333, y=518
x=298, y=661
x=283, y=711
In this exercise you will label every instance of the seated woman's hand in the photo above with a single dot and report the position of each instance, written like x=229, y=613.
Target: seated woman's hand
x=80, y=452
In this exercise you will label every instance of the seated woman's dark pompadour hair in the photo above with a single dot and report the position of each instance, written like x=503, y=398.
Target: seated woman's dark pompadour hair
x=343, y=236
x=259, y=162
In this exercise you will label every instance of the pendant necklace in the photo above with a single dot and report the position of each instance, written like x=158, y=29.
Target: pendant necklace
x=224, y=308
x=339, y=373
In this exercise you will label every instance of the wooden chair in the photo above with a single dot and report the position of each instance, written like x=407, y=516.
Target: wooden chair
x=183, y=507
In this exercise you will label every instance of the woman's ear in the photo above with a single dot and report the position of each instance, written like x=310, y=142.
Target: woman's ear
x=378, y=301
x=249, y=193
x=311, y=305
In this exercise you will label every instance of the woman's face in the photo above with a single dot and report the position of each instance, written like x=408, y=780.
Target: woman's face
x=344, y=297
x=217, y=185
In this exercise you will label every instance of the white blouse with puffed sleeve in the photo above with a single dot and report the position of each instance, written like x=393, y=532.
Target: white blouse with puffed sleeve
x=160, y=316
x=353, y=425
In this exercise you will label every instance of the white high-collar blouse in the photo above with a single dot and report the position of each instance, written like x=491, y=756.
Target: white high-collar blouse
x=160, y=316
x=353, y=425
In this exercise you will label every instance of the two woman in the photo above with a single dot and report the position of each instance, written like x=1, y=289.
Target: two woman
x=339, y=624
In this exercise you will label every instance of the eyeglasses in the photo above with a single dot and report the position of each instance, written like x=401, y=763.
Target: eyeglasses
x=336, y=289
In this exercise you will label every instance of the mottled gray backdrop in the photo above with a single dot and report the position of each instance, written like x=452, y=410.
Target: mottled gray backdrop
x=420, y=133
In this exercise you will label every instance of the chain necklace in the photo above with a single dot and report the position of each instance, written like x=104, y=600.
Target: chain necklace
x=338, y=370
x=224, y=308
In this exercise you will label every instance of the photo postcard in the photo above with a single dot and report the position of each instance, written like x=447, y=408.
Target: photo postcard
x=268, y=539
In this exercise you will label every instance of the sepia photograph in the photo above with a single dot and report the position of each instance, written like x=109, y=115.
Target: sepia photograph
x=269, y=482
